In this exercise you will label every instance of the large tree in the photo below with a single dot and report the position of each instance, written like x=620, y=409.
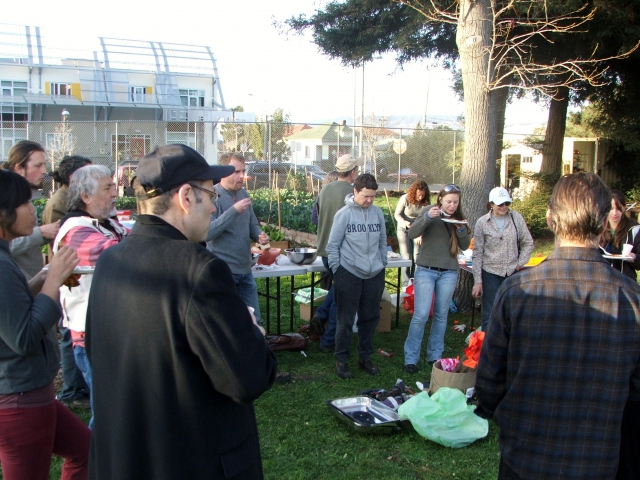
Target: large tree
x=496, y=42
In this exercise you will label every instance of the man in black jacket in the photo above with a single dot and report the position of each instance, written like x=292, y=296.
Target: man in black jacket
x=177, y=357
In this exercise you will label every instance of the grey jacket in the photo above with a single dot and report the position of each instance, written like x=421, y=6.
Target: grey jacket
x=28, y=346
x=230, y=232
x=358, y=240
x=27, y=251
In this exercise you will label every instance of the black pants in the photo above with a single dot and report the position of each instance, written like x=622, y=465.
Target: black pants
x=356, y=295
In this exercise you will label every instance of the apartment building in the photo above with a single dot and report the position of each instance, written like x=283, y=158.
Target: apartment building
x=112, y=104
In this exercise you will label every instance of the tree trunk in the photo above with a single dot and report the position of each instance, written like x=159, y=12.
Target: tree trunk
x=554, y=136
x=473, y=38
x=503, y=95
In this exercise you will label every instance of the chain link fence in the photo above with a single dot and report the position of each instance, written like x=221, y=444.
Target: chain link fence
x=396, y=156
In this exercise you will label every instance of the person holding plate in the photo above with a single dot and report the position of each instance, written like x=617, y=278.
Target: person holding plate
x=33, y=424
x=502, y=245
x=621, y=230
x=443, y=231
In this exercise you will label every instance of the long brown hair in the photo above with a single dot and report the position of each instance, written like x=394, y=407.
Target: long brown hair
x=458, y=215
x=621, y=232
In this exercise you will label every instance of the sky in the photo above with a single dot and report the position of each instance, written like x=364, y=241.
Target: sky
x=260, y=67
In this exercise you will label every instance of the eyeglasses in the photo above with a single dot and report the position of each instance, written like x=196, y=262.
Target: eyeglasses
x=214, y=195
x=451, y=188
x=504, y=204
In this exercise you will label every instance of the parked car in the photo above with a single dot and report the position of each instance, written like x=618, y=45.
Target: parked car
x=257, y=175
x=315, y=171
x=379, y=169
x=406, y=175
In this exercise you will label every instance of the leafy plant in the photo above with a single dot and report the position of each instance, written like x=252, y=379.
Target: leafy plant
x=126, y=203
x=275, y=234
x=534, y=211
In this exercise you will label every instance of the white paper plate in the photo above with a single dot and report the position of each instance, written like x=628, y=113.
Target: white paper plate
x=616, y=257
x=457, y=222
x=78, y=270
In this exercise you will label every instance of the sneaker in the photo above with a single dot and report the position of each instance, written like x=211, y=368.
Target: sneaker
x=368, y=367
x=330, y=349
x=411, y=368
x=342, y=370
x=317, y=325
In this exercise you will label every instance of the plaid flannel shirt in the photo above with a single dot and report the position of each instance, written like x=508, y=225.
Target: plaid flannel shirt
x=559, y=357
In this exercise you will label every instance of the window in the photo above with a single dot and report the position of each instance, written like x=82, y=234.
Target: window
x=130, y=147
x=137, y=94
x=9, y=87
x=527, y=159
x=57, y=142
x=62, y=89
x=15, y=113
x=192, y=98
x=307, y=152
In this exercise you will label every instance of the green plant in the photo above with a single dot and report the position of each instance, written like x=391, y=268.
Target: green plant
x=534, y=211
x=126, y=203
x=39, y=205
x=275, y=234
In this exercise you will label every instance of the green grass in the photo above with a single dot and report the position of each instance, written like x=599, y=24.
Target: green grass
x=301, y=439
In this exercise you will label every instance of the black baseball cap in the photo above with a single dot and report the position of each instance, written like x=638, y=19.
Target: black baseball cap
x=170, y=166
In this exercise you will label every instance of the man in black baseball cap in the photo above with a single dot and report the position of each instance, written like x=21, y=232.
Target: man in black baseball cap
x=170, y=166
x=165, y=315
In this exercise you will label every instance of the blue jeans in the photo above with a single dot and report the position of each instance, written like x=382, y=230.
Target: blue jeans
x=80, y=355
x=408, y=250
x=73, y=385
x=490, y=285
x=248, y=291
x=424, y=284
x=328, y=310
x=362, y=296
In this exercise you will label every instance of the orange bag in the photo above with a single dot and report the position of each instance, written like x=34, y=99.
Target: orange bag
x=472, y=352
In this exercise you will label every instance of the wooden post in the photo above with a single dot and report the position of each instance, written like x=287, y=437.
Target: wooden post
x=393, y=219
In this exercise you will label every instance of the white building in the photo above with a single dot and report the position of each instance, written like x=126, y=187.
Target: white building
x=165, y=93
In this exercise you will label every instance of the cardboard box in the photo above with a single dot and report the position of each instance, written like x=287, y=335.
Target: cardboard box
x=440, y=378
x=306, y=313
x=385, y=317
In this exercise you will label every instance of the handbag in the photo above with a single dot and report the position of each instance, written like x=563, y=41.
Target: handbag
x=293, y=342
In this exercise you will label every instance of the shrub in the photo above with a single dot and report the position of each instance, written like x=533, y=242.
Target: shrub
x=534, y=210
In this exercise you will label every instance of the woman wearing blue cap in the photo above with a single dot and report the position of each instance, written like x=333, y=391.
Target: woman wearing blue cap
x=502, y=245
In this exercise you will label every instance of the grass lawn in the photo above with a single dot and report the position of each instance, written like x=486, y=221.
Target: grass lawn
x=301, y=439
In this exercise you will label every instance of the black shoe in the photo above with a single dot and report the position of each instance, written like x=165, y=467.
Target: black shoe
x=330, y=349
x=317, y=325
x=342, y=370
x=368, y=367
x=411, y=368
x=282, y=377
x=431, y=362
x=82, y=402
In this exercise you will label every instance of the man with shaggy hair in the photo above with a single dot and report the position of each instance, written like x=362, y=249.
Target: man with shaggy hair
x=562, y=350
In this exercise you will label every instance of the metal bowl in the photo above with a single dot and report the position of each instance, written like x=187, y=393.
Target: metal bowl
x=254, y=258
x=302, y=256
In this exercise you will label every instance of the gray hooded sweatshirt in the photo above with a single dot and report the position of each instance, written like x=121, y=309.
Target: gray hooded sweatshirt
x=358, y=240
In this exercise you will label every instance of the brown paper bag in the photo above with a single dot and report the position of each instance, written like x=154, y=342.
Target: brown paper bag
x=440, y=378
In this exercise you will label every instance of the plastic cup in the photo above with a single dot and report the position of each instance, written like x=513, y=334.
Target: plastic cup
x=626, y=249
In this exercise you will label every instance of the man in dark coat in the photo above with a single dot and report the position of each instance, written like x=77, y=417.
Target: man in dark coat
x=177, y=357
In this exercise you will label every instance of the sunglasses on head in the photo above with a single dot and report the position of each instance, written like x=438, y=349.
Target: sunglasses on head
x=451, y=188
